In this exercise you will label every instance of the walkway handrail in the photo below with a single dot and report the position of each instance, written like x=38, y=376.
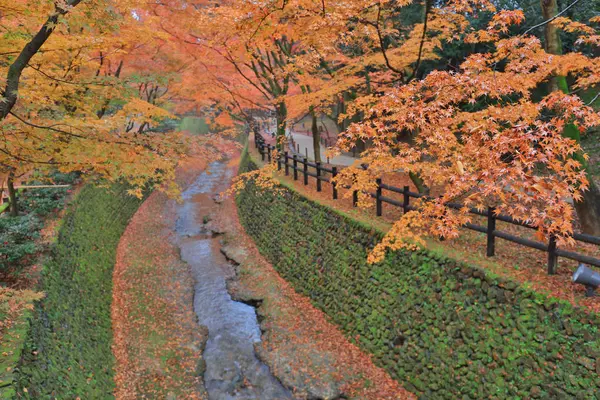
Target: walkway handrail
x=490, y=230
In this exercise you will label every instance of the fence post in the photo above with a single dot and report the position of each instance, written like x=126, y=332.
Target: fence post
x=552, y=257
x=406, y=201
x=333, y=184
x=269, y=152
x=378, y=198
x=354, y=194
x=305, y=169
x=491, y=227
x=318, y=176
x=442, y=238
x=278, y=161
x=295, y=164
x=262, y=151
x=287, y=166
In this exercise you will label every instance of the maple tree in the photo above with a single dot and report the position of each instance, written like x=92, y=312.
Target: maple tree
x=220, y=84
x=588, y=205
x=82, y=83
x=480, y=127
x=485, y=132
x=480, y=135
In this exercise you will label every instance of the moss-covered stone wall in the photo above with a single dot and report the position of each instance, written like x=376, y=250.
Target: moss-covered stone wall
x=68, y=352
x=445, y=330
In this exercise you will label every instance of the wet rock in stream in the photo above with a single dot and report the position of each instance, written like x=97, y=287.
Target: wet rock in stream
x=234, y=253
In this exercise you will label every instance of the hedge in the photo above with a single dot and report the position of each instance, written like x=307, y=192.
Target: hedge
x=68, y=351
x=444, y=329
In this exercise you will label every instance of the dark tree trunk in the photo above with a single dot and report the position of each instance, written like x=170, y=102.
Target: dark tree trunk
x=341, y=109
x=552, y=42
x=104, y=108
x=12, y=195
x=588, y=210
x=316, y=137
x=143, y=127
x=419, y=183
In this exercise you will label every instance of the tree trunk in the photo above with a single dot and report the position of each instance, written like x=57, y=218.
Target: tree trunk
x=143, y=127
x=341, y=109
x=419, y=183
x=104, y=107
x=12, y=195
x=552, y=42
x=15, y=70
x=281, y=111
x=316, y=136
x=588, y=210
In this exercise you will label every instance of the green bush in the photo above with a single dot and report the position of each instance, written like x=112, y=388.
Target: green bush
x=68, y=351
x=194, y=125
x=443, y=329
x=17, y=239
x=18, y=235
x=43, y=202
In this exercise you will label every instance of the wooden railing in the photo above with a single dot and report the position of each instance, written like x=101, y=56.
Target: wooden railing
x=302, y=166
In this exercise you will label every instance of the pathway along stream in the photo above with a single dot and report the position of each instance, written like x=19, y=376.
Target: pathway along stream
x=232, y=369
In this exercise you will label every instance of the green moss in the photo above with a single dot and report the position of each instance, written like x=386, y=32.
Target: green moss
x=68, y=352
x=245, y=160
x=444, y=329
x=194, y=125
x=11, y=349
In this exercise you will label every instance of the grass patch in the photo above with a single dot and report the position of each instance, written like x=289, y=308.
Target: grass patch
x=194, y=125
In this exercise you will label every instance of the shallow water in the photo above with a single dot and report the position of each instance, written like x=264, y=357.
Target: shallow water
x=232, y=369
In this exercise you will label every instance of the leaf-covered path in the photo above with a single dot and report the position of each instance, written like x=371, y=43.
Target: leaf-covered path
x=159, y=344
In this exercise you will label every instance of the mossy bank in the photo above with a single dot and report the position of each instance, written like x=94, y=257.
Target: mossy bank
x=444, y=329
x=68, y=351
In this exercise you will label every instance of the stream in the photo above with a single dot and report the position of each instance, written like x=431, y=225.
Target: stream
x=232, y=369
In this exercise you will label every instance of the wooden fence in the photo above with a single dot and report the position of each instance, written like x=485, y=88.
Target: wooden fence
x=302, y=166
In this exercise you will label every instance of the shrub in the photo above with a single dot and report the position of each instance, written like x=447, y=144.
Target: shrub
x=45, y=201
x=42, y=202
x=15, y=308
x=17, y=239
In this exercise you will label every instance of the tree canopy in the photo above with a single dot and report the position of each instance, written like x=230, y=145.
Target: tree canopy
x=468, y=96
x=485, y=100
x=83, y=83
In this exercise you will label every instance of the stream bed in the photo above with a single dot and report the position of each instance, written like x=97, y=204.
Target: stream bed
x=232, y=369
